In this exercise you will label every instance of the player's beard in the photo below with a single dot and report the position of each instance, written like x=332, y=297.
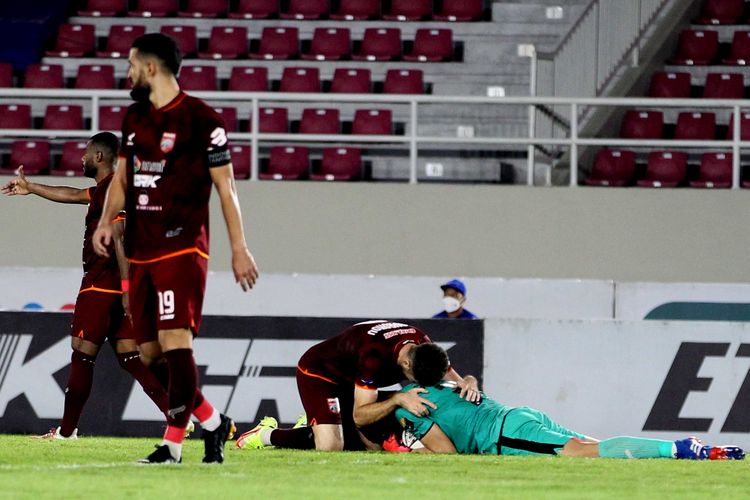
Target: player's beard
x=89, y=170
x=140, y=92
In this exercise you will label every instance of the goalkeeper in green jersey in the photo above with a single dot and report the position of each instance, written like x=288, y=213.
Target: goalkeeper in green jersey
x=488, y=427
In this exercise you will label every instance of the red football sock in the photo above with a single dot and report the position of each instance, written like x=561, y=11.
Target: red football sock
x=301, y=438
x=131, y=363
x=80, y=378
x=183, y=383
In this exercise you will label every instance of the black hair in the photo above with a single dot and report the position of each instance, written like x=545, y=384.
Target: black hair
x=109, y=144
x=429, y=362
x=162, y=47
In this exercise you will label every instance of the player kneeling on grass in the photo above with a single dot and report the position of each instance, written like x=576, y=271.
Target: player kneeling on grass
x=488, y=427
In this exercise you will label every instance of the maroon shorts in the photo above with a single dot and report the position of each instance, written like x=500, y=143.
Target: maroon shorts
x=99, y=316
x=167, y=294
x=324, y=401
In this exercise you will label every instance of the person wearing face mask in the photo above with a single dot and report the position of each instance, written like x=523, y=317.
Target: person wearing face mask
x=454, y=297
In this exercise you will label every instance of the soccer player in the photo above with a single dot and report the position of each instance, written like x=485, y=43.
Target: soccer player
x=101, y=306
x=338, y=381
x=485, y=426
x=174, y=149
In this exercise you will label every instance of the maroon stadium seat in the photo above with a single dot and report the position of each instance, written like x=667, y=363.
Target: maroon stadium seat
x=724, y=86
x=74, y=40
x=6, y=75
x=198, y=78
x=287, y=163
x=307, y=9
x=665, y=169
x=403, y=81
x=277, y=43
x=329, y=44
x=320, y=121
x=15, y=116
x=33, y=155
x=63, y=117
x=155, y=8
x=229, y=115
x=642, y=125
x=240, y=160
x=715, y=171
x=70, y=162
x=273, y=120
x=696, y=47
x=44, y=76
x=721, y=12
x=110, y=117
x=669, y=84
x=431, y=45
x=300, y=80
x=121, y=37
x=694, y=125
x=339, y=164
x=459, y=10
x=351, y=80
x=104, y=8
x=361, y=10
x=612, y=167
x=185, y=36
x=226, y=42
x=205, y=8
x=373, y=122
x=409, y=10
x=256, y=9
x=379, y=44
x=95, y=76
x=248, y=79
x=739, y=54
x=744, y=126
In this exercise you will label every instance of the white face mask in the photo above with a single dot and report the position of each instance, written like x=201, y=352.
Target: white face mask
x=451, y=304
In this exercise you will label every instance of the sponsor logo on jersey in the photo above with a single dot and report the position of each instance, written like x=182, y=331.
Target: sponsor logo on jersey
x=143, y=199
x=333, y=405
x=219, y=137
x=131, y=138
x=145, y=180
x=173, y=232
x=152, y=166
x=167, y=141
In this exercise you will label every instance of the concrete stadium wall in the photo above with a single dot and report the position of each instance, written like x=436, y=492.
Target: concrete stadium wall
x=436, y=230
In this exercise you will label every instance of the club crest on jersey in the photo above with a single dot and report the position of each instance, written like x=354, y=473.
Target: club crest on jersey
x=167, y=141
x=333, y=405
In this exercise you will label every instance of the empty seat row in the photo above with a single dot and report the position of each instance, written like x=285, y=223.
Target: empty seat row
x=400, y=10
x=702, y=47
x=691, y=125
x=679, y=85
x=722, y=12
x=231, y=42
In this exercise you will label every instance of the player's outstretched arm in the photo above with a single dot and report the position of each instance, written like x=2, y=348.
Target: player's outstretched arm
x=113, y=205
x=469, y=385
x=243, y=263
x=21, y=186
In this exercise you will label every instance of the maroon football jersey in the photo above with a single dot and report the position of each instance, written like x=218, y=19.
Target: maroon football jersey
x=98, y=272
x=169, y=152
x=364, y=354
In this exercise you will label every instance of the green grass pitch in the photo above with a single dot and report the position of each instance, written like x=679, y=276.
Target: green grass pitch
x=105, y=468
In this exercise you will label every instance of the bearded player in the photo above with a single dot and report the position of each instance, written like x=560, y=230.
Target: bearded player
x=174, y=150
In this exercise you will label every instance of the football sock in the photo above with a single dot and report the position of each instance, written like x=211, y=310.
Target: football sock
x=633, y=447
x=301, y=438
x=77, y=391
x=131, y=363
x=206, y=414
x=161, y=372
x=183, y=382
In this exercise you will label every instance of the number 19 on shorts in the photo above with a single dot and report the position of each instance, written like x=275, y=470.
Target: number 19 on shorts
x=166, y=304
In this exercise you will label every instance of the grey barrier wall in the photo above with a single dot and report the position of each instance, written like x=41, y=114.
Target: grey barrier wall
x=246, y=364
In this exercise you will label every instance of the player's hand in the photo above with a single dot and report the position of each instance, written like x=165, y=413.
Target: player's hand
x=126, y=305
x=412, y=402
x=17, y=186
x=245, y=269
x=102, y=238
x=470, y=389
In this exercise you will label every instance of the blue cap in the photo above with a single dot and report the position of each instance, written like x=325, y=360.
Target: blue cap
x=457, y=285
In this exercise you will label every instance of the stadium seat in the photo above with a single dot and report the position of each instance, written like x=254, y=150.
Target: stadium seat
x=724, y=86
x=70, y=163
x=339, y=164
x=721, y=12
x=612, y=167
x=459, y=10
x=696, y=47
x=198, y=78
x=44, y=76
x=240, y=160
x=104, y=8
x=379, y=44
x=329, y=44
x=287, y=163
x=63, y=117
x=715, y=171
x=110, y=117
x=15, y=116
x=6, y=75
x=185, y=36
x=403, y=81
x=408, y=10
x=205, y=8
x=739, y=52
x=359, y=10
x=744, y=126
x=372, y=122
x=277, y=43
x=320, y=121
x=33, y=155
x=229, y=115
x=300, y=80
x=307, y=9
x=273, y=121
x=693, y=125
x=252, y=79
x=120, y=39
x=431, y=45
x=256, y=9
x=642, y=125
x=351, y=80
x=226, y=42
x=155, y=8
x=665, y=169
x=74, y=40
x=95, y=76
x=669, y=84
